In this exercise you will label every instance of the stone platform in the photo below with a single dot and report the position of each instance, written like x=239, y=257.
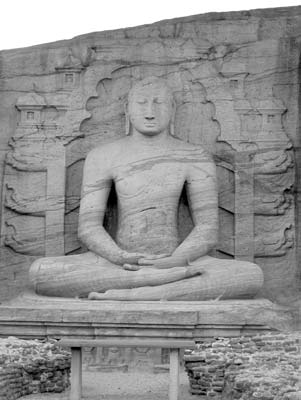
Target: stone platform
x=33, y=316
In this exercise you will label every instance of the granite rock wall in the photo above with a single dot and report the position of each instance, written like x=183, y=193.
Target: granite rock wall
x=235, y=77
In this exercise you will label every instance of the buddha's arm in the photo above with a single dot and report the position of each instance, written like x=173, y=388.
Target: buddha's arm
x=97, y=181
x=201, y=190
x=202, y=196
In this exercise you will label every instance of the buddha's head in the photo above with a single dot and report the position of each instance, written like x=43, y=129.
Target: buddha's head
x=150, y=108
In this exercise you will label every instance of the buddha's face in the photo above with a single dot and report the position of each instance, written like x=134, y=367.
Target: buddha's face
x=150, y=109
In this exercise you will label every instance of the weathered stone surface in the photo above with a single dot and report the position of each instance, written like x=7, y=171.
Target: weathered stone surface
x=235, y=76
x=38, y=316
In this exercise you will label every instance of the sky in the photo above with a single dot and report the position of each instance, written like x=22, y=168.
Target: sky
x=30, y=22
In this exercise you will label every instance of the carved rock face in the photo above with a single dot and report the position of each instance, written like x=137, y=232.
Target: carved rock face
x=150, y=108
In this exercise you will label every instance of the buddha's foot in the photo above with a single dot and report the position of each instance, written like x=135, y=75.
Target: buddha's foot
x=121, y=294
x=131, y=267
x=131, y=294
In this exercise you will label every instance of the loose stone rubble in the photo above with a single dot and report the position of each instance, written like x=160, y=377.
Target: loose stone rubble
x=32, y=366
x=264, y=367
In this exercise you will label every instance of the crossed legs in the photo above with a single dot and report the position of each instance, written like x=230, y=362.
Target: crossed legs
x=90, y=275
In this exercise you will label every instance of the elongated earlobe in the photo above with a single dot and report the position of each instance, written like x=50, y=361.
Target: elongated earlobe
x=127, y=121
x=172, y=120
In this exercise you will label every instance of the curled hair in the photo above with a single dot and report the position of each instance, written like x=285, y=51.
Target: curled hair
x=151, y=80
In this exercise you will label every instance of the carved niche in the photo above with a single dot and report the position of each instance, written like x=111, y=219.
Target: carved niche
x=194, y=121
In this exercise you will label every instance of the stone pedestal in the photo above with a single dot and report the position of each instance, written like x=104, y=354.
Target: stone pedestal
x=31, y=316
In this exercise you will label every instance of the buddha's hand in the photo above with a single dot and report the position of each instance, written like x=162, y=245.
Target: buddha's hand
x=130, y=266
x=164, y=262
x=133, y=258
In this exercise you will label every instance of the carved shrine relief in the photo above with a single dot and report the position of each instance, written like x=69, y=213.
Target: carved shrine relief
x=69, y=72
x=262, y=133
x=35, y=171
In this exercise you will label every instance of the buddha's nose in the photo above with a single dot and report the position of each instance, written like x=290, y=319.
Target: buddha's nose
x=149, y=115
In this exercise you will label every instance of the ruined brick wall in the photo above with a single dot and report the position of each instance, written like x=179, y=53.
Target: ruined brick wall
x=264, y=367
x=31, y=366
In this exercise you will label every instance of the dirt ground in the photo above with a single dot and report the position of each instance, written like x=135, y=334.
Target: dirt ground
x=123, y=386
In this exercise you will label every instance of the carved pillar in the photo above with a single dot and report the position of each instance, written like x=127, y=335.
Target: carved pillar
x=244, y=207
x=35, y=182
x=54, y=218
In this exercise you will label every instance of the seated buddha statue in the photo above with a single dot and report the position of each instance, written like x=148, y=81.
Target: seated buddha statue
x=146, y=260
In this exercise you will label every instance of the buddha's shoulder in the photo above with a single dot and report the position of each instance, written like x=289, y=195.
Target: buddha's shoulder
x=107, y=150
x=196, y=150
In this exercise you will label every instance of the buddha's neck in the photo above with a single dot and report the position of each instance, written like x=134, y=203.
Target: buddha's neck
x=159, y=139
